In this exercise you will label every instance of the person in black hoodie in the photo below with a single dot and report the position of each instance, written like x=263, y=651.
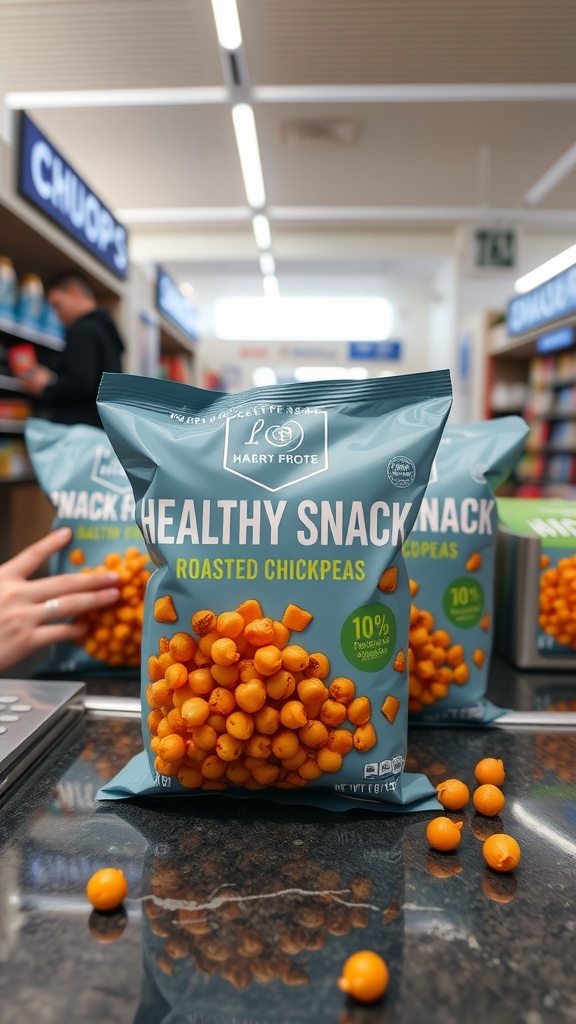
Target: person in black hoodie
x=66, y=392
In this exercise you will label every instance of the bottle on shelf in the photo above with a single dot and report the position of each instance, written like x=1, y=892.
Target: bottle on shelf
x=31, y=301
x=8, y=289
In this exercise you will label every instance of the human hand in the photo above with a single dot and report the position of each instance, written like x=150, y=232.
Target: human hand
x=28, y=607
x=34, y=381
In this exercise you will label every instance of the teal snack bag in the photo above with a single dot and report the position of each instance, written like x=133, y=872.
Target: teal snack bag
x=275, y=624
x=82, y=477
x=450, y=559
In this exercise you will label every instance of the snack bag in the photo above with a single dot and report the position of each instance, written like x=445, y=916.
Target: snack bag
x=80, y=474
x=275, y=625
x=450, y=559
x=536, y=564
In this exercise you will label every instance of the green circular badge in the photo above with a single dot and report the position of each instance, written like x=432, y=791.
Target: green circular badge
x=463, y=602
x=368, y=637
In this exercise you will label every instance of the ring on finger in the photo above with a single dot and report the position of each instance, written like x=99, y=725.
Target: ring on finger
x=52, y=604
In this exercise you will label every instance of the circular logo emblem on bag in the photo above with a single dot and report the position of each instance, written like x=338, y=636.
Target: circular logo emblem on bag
x=401, y=471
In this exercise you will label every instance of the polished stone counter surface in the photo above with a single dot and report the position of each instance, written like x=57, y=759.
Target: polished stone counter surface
x=243, y=912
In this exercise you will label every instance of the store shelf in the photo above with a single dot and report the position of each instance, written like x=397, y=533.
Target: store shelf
x=555, y=415
x=36, y=337
x=17, y=478
x=12, y=426
x=8, y=383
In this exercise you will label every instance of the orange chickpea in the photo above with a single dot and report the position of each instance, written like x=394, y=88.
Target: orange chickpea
x=314, y=734
x=240, y=724
x=203, y=622
x=201, y=681
x=340, y=740
x=359, y=711
x=267, y=720
x=260, y=632
x=311, y=691
x=221, y=701
x=259, y=746
x=228, y=748
x=318, y=666
x=230, y=624
x=267, y=660
x=176, y=675
x=195, y=711
x=251, y=696
x=329, y=760
x=332, y=713
x=224, y=652
x=172, y=748
x=182, y=646
x=293, y=714
x=280, y=685
x=365, y=737
x=225, y=675
x=342, y=690
x=285, y=744
x=295, y=658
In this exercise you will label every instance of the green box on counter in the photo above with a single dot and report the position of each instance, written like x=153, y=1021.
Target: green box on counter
x=536, y=582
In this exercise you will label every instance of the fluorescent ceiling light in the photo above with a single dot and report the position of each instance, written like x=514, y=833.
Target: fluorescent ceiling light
x=271, y=287
x=467, y=92
x=267, y=263
x=327, y=318
x=262, y=234
x=227, y=23
x=552, y=177
x=75, y=98
x=546, y=270
x=247, y=142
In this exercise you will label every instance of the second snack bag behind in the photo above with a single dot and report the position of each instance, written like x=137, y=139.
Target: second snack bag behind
x=274, y=651
x=450, y=557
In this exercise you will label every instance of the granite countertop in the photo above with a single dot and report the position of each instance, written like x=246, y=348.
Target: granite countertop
x=243, y=912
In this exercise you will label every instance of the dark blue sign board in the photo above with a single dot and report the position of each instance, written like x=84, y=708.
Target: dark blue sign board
x=555, y=341
x=48, y=181
x=175, y=306
x=550, y=301
x=377, y=350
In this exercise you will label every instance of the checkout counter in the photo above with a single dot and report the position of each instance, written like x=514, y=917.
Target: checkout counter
x=244, y=911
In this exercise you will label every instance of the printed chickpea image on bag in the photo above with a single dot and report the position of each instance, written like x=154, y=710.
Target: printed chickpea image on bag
x=450, y=558
x=274, y=653
x=80, y=474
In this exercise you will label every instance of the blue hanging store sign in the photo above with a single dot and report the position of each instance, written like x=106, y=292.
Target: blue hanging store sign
x=550, y=301
x=175, y=306
x=51, y=184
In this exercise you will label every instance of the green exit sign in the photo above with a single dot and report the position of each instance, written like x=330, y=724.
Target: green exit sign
x=495, y=247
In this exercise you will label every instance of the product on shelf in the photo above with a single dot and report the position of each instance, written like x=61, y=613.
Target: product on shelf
x=8, y=289
x=536, y=564
x=22, y=359
x=14, y=462
x=31, y=301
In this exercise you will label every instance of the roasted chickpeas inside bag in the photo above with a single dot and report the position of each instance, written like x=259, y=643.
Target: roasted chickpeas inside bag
x=450, y=558
x=275, y=635
x=82, y=477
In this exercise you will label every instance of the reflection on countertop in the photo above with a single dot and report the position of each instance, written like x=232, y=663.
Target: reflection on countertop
x=243, y=911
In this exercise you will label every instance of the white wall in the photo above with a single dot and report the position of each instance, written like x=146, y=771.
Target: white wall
x=409, y=309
